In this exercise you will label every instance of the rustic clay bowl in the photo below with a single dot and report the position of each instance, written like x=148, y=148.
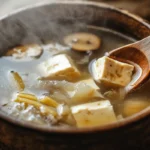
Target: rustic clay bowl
x=39, y=23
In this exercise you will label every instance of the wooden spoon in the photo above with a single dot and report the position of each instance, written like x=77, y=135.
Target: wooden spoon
x=138, y=53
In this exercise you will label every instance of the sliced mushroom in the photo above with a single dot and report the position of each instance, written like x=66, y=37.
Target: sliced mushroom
x=19, y=52
x=83, y=41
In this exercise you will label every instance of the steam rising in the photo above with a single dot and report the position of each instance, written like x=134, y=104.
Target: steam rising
x=45, y=23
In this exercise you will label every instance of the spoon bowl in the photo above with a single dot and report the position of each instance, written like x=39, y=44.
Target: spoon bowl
x=138, y=54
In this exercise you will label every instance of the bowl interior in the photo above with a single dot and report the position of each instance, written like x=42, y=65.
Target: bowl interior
x=46, y=22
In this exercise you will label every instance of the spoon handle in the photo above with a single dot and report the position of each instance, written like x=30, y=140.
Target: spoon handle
x=144, y=46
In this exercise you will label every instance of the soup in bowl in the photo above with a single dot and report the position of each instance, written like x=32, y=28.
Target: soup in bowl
x=56, y=77
x=53, y=84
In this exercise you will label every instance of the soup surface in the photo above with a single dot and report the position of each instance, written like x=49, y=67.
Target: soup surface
x=29, y=92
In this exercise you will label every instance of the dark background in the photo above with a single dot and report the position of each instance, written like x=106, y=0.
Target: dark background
x=139, y=7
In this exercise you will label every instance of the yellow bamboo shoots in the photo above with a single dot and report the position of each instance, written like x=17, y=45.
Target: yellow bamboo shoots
x=45, y=109
x=28, y=96
x=18, y=80
x=49, y=101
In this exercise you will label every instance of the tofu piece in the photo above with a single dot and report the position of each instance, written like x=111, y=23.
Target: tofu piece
x=112, y=73
x=83, y=93
x=134, y=106
x=59, y=67
x=90, y=82
x=94, y=114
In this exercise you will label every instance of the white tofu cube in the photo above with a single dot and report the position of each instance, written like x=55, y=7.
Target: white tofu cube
x=111, y=72
x=90, y=82
x=94, y=114
x=59, y=67
x=83, y=93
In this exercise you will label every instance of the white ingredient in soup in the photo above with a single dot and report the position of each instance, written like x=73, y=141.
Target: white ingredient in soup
x=54, y=86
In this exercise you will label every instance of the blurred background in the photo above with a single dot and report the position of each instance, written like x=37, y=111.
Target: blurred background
x=139, y=7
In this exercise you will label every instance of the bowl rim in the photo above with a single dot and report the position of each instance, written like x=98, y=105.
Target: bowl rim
x=45, y=129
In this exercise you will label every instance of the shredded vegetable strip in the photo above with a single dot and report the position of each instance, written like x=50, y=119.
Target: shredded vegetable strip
x=28, y=96
x=49, y=101
x=45, y=109
x=18, y=80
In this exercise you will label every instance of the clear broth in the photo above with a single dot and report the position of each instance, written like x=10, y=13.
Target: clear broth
x=28, y=69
